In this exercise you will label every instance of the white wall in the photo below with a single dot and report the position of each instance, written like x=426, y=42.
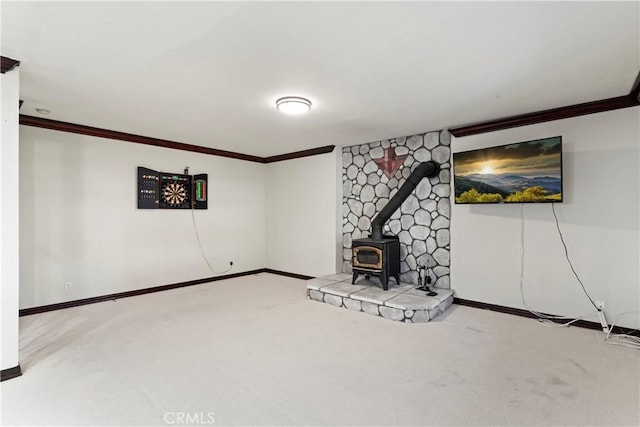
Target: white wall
x=80, y=224
x=304, y=233
x=9, y=218
x=599, y=219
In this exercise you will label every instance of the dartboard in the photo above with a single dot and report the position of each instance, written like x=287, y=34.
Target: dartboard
x=174, y=194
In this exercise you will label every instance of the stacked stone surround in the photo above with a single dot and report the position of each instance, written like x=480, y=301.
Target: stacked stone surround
x=421, y=223
x=403, y=303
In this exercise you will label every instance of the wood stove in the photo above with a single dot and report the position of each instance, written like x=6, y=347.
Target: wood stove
x=379, y=255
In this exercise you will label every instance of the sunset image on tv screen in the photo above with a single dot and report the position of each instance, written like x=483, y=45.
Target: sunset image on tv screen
x=524, y=172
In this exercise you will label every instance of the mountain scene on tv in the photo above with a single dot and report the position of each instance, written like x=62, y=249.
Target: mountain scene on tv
x=516, y=173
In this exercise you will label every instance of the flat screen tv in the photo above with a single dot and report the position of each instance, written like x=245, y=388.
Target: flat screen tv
x=523, y=172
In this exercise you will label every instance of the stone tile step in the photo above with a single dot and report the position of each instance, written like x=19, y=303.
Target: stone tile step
x=317, y=283
x=374, y=295
x=376, y=284
x=401, y=302
x=342, y=289
x=339, y=277
x=374, y=281
x=407, y=301
x=443, y=294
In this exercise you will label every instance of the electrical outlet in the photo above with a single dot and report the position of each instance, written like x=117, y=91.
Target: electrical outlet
x=67, y=286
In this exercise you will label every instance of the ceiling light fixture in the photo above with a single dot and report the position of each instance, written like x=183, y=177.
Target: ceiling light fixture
x=293, y=105
x=42, y=111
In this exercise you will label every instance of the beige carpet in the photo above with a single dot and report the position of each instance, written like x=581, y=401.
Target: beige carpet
x=254, y=351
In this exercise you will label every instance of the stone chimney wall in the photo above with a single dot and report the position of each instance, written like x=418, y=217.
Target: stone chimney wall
x=372, y=174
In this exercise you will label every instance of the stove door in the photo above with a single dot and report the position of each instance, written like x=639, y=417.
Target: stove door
x=367, y=257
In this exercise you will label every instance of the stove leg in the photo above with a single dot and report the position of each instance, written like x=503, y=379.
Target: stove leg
x=385, y=281
x=355, y=276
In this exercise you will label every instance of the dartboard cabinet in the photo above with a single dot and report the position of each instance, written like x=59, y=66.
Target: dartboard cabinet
x=165, y=190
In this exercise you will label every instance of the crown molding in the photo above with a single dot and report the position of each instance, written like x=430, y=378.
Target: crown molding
x=299, y=154
x=602, y=105
x=545, y=116
x=7, y=64
x=599, y=106
x=138, y=139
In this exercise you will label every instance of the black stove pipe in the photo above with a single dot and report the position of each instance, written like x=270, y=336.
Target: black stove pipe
x=424, y=170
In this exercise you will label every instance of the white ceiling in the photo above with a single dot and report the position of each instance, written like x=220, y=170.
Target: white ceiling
x=209, y=73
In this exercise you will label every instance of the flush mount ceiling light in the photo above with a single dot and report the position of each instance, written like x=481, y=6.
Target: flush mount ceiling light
x=42, y=111
x=293, y=105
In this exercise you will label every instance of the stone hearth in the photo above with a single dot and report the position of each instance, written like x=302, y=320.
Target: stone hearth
x=403, y=303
